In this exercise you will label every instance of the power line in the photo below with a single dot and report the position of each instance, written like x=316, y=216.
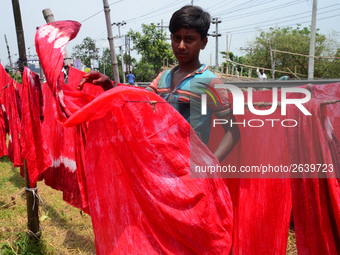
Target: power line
x=152, y=13
x=247, y=31
x=286, y=17
x=99, y=11
x=252, y=12
x=273, y=8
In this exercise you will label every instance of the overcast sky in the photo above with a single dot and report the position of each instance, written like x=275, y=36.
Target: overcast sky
x=240, y=19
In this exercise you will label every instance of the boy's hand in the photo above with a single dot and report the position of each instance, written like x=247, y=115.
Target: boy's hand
x=96, y=78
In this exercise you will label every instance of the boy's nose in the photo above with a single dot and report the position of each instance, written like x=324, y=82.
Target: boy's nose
x=181, y=45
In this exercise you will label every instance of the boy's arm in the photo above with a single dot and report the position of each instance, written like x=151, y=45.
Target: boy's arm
x=232, y=133
x=96, y=78
x=154, y=84
x=228, y=141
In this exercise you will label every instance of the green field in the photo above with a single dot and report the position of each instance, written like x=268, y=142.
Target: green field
x=64, y=229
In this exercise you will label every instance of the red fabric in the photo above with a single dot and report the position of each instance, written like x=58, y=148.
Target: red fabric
x=74, y=78
x=134, y=175
x=262, y=206
x=33, y=142
x=4, y=78
x=140, y=194
x=316, y=202
x=10, y=107
x=3, y=145
x=62, y=174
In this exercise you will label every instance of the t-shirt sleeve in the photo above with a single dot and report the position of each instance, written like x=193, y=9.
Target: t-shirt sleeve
x=221, y=107
x=154, y=84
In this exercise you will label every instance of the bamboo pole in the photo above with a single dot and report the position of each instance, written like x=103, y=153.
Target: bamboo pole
x=262, y=68
x=32, y=211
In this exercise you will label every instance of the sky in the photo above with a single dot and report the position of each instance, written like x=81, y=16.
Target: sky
x=241, y=20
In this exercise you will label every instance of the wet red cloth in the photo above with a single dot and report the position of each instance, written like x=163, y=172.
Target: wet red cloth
x=33, y=141
x=3, y=145
x=10, y=108
x=143, y=170
x=4, y=78
x=61, y=141
x=316, y=202
x=137, y=165
x=262, y=206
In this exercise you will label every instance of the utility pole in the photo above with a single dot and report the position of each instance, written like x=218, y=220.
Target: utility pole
x=31, y=192
x=216, y=34
x=119, y=24
x=111, y=43
x=9, y=55
x=312, y=42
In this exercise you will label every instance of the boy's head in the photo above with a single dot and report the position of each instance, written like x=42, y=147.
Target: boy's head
x=191, y=17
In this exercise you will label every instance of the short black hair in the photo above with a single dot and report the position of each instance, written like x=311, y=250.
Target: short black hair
x=190, y=17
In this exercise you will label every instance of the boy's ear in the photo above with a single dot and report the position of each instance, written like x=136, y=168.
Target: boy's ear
x=204, y=43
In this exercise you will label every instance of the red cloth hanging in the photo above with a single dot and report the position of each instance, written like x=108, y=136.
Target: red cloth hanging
x=140, y=194
x=262, y=206
x=316, y=198
x=10, y=108
x=33, y=141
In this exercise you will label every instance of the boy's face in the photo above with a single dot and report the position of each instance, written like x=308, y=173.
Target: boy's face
x=186, y=44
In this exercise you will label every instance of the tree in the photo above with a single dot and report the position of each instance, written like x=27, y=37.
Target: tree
x=290, y=40
x=86, y=51
x=152, y=46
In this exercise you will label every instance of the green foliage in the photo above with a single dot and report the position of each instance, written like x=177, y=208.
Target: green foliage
x=295, y=40
x=85, y=51
x=23, y=245
x=152, y=46
x=144, y=72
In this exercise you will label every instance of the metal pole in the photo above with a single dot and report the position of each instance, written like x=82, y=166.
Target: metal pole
x=312, y=43
x=111, y=43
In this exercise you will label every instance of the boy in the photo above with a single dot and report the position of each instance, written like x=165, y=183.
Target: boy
x=184, y=85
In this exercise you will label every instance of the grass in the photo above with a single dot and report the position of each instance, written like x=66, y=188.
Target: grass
x=64, y=229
